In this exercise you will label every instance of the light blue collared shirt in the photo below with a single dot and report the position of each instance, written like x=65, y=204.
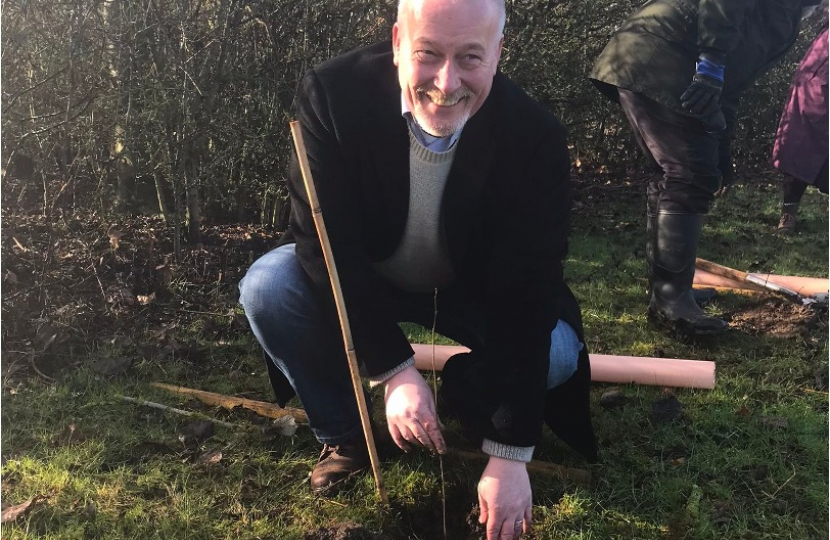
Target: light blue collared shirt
x=431, y=142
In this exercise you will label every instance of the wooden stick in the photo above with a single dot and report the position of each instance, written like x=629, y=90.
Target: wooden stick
x=727, y=272
x=270, y=410
x=757, y=282
x=708, y=279
x=351, y=355
x=805, y=286
x=607, y=368
x=580, y=476
x=734, y=290
x=262, y=408
x=174, y=410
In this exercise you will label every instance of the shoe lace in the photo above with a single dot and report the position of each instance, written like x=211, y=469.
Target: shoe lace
x=329, y=449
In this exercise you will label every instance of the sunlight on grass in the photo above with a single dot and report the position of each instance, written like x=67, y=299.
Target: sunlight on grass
x=748, y=459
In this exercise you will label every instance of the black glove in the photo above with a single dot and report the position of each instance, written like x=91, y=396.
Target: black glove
x=702, y=97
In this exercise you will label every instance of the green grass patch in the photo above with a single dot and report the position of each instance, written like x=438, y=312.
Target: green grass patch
x=746, y=460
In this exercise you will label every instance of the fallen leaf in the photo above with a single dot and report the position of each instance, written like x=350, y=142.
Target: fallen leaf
x=11, y=513
x=11, y=277
x=286, y=426
x=211, y=457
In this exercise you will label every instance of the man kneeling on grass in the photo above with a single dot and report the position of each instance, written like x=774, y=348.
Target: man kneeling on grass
x=434, y=173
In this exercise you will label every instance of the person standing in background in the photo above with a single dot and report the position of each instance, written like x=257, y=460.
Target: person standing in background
x=801, y=142
x=677, y=68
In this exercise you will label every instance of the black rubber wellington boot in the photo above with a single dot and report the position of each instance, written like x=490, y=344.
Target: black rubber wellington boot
x=701, y=296
x=672, y=271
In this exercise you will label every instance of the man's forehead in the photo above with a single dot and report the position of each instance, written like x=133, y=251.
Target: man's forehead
x=467, y=46
x=439, y=21
x=421, y=9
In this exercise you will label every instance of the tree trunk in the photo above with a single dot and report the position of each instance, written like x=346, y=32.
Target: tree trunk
x=193, y=200
x=124, y=173
x=164, y=206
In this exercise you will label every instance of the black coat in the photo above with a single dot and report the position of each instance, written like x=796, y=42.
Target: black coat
x=505, y=212
x=654, y=51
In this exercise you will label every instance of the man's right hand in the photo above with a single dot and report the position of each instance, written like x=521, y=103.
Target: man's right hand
x=410, y=412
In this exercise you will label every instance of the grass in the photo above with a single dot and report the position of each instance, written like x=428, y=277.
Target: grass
x=748, y=459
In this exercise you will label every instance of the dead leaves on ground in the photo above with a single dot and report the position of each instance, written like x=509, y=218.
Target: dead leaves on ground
x=74, y=278
x=11, y=513
x=211, y=457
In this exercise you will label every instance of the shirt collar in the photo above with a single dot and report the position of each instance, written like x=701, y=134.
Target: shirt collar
x=431, y=142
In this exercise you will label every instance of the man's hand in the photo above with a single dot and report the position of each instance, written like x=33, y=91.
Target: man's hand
x=702, y=97
x=505, y=499
x=410, y=412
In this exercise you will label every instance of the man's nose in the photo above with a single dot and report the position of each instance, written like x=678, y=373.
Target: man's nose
x=446, y=79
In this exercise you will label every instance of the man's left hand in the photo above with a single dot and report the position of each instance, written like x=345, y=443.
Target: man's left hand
x=505, y=499
x=702, y=97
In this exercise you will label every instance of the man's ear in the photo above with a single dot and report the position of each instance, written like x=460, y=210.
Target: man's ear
x=396, y=43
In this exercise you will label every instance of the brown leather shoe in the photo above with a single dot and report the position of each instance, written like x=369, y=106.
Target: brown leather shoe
x=336, y=464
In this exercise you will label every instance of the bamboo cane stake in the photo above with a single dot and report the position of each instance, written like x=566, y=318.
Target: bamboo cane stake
x=262, y=408
x=351, y=355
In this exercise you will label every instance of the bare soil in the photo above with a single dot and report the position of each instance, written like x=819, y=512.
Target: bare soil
x=775, y=317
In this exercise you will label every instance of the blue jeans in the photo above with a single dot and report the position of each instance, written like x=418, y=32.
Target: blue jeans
x=281, y=306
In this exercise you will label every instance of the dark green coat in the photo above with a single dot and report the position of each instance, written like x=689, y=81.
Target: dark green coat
x=654, y=51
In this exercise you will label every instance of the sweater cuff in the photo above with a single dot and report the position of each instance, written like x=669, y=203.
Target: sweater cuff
x=383, y=377
x=505, y=451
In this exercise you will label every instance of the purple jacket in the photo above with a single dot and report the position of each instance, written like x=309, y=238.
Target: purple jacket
x=801, y=140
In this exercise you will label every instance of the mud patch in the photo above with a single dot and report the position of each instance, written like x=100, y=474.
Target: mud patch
x=344, y=531
x=774, y=317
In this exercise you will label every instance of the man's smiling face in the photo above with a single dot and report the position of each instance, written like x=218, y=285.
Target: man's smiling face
x=447, y=53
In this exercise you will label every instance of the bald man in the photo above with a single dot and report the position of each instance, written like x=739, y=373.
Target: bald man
x=441, y=183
